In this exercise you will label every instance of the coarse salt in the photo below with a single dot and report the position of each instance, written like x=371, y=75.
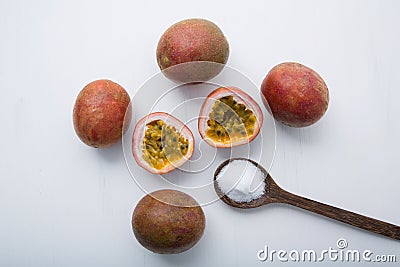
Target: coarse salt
x=241, y=181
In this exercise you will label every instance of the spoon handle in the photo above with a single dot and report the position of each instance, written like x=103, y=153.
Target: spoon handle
x=358, y=220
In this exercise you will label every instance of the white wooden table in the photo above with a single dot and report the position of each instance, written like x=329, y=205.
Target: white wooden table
x=64, y=204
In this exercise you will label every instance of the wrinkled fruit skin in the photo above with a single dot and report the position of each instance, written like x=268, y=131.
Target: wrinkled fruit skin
x=99, y=113
x=168, y=222
x=188, y=41
x=296, y=94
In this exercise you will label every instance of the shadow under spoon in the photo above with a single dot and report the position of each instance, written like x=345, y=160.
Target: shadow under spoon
x=275, y=194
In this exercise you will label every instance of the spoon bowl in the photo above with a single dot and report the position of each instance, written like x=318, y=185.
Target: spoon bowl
x=243, y=205
x=275, y=194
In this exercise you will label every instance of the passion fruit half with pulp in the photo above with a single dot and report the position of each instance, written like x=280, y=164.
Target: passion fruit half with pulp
x=161, y=143
x=229, y=117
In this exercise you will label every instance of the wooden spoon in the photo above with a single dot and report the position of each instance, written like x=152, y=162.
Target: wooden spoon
x=274, y=194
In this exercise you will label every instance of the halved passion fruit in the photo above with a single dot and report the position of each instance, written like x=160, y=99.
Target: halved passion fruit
x=229, y=117
x=161, y=143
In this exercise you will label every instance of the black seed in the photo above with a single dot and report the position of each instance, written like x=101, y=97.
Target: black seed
x=182, y=147
x=218, y=132
x=160, y=127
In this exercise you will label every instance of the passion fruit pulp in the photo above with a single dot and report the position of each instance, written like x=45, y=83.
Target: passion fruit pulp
x=229, y=117
x=161, y=143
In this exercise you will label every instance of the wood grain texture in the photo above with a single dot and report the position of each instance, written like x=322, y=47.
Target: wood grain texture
x=275, y=194
x=278, y=195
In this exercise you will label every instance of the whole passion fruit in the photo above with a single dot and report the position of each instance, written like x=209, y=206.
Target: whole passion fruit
x=161, y=143
x=296, y=94
x=229, y=117
x=168, y=222
x=192, y=40
x=99, y=113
